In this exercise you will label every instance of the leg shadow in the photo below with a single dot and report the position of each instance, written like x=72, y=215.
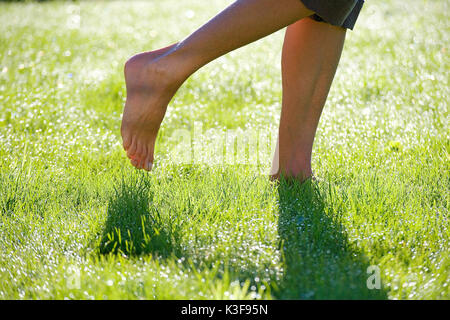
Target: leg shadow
x=318, y=259
x=135, y=226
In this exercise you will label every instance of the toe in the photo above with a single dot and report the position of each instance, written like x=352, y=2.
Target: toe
x=146, y=159
x=134, y=162
x=140, y=152
x=132, y=149
x=148, y=164
x=139, y=156
x=126, y=140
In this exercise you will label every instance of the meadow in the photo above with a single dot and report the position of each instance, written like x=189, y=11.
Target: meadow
x=77, y=221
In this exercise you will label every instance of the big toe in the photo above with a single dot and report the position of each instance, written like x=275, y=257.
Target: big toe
x=148, y=162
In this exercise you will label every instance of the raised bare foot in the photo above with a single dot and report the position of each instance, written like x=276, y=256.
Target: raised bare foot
x=150, y=85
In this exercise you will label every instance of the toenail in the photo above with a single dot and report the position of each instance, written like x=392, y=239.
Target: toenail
x=149, y=165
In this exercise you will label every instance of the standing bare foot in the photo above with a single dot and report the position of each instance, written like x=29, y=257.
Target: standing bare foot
x=150, y=87
x=292, y=166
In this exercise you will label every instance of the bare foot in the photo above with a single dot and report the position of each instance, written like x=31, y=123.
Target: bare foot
x=295, y=170
x=150, y=87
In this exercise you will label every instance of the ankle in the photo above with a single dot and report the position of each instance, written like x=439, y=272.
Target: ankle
x=174, y=65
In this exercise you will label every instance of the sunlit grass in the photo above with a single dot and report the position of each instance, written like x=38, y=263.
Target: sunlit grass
x=77, y=221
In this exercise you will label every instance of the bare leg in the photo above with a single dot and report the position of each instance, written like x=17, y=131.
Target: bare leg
x=311, y=53
x=152, y=81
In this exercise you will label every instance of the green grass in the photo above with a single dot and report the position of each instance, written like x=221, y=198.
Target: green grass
x=78, y=222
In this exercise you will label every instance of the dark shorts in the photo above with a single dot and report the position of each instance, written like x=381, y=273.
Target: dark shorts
x=341, y=13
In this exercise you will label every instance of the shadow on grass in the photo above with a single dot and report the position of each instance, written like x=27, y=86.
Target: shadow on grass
x=135, y=226
x=318, y=260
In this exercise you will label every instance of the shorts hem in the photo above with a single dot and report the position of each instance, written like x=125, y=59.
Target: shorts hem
x=345, y=18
